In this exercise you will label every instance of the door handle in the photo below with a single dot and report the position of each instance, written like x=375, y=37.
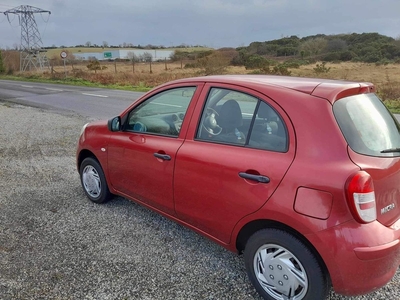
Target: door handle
x=258, y=178
x=162, y=156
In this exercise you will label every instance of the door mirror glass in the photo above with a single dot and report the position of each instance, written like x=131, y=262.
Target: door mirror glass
x=114, y=124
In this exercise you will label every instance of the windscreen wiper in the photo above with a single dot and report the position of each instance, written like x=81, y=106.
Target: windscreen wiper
x=391, y=150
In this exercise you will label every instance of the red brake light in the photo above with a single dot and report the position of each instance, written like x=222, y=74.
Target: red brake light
x=361, y=197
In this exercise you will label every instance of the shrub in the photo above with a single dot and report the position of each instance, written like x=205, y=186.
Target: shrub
x=383, y=62
x=294, y=64
x=94, y=65
x=256, y=62
x=321, y=68
x=281, y=69
x=2, y=67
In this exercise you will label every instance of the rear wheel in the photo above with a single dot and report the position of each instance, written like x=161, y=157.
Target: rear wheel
x=280, y=266
x=93, y=181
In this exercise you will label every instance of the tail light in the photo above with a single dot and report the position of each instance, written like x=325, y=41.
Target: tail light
x=361, y=197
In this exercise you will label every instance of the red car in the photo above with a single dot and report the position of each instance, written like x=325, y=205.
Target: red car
x=301, y=175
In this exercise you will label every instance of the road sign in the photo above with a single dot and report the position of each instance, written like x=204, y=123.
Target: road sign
x=63, y=54
x=107, y=55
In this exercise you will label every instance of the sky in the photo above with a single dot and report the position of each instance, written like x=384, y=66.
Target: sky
x=211, y=23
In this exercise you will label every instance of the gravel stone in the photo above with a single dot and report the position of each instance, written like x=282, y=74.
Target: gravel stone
x=56, y=244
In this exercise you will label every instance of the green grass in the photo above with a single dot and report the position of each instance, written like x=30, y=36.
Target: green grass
x=393, y=106
x=78, y=82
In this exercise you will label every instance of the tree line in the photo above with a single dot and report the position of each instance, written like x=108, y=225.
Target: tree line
x=277, y=56
x=365, y=47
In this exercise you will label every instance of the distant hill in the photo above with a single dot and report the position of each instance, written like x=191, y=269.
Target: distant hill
x=364, y=47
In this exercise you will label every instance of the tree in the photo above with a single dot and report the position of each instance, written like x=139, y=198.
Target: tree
x=336, y=45
x=94, y=65
x=147, y=57
x=105, y=44
x=2, y=67
x=314, y=46
x=88, y=44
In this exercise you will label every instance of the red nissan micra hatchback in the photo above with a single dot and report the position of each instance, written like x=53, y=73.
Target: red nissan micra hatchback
x=301, y=175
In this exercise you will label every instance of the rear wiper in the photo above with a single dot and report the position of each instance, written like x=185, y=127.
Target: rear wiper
x=391, y=150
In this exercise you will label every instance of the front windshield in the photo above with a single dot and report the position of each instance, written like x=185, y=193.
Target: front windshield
x=369, y=128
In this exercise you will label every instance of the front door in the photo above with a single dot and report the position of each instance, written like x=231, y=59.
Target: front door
x=142, y=156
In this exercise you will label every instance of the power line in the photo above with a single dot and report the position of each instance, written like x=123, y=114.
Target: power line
x=31, y=43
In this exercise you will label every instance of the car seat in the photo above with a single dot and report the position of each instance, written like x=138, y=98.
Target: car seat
x=230, y=119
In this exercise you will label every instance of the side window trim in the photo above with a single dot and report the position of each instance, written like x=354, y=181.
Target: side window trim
x=253, y=120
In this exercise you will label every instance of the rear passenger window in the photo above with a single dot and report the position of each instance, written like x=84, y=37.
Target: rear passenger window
x=236, y=118
x=268, y=130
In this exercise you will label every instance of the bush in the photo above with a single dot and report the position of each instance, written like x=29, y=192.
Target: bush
x=281, y=69
x=383, y=62
x=331, y=57
x=94, y=65
x=294, y=64
x=2, y=67
x=321, y=68
x=256, y=62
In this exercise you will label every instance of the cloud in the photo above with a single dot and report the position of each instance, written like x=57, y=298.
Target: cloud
x=215, y=23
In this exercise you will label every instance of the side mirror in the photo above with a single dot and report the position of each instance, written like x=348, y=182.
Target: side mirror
x=114, y=124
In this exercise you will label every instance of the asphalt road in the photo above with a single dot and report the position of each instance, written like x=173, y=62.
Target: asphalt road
x=89, y=102
x=95, y=103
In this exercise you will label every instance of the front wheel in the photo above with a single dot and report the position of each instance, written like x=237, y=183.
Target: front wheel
x=93, y=181
x=280, y=266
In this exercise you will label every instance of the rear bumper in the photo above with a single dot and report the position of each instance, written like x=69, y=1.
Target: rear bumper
x=360, y=258
x=377, y=252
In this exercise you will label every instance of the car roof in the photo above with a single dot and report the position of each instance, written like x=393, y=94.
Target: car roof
x=329, y=89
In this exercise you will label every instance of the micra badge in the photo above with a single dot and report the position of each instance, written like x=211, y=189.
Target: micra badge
x=387, y=208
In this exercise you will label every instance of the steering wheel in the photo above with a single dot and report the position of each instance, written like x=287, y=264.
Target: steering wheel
x=210, y=123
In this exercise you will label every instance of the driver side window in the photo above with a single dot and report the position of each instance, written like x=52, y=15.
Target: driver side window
x=161, y=114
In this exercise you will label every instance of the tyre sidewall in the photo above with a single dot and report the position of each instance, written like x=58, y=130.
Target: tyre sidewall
x=317, y=279
x=104, y=191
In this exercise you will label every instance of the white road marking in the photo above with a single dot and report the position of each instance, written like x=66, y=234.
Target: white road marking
x=166, y=104
x=95, y=95
x=50, y=89
x=28, y=86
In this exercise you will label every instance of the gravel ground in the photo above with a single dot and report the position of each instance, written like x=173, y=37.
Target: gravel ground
x=56, y=244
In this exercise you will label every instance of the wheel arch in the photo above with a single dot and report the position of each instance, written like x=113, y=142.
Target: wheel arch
x=84, y=154
x=252, y=227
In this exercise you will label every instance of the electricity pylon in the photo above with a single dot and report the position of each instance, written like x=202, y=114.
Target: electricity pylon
x=31, y=53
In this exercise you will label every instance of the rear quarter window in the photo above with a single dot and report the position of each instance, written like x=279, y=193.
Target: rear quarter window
x=367, y=125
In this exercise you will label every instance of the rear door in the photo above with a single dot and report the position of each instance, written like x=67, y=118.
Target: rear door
x=222, y=176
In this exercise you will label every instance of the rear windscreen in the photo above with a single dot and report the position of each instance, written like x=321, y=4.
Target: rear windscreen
x=368, y=127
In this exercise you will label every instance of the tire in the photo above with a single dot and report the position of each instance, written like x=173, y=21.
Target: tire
x=93, y=181
x=280, y=266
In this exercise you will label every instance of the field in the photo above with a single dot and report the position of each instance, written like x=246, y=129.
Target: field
x=378, y=75
x=385, y=77
x=143, y=76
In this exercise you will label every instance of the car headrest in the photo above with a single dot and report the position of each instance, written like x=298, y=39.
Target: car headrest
x=230, y=115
